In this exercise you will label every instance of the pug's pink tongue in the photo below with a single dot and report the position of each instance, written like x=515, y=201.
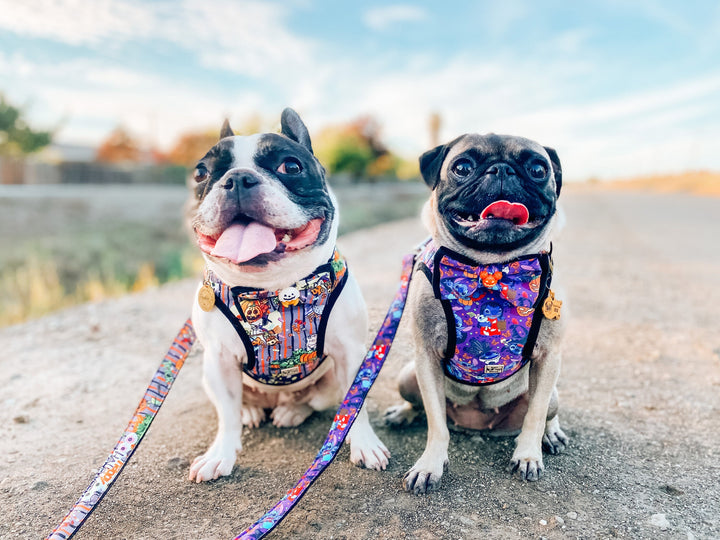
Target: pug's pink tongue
x=515, y=212
x=240, y=243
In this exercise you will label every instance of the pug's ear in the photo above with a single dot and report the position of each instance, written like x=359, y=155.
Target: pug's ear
x=293, y=128
x=557, y=168
x=431, y=163
x=225, y=130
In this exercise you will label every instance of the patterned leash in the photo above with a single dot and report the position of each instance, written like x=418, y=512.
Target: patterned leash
x=162, y=382
x=133, y=435
x=346, y=413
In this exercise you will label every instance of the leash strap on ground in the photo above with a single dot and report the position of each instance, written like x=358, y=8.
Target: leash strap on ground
x=144, y=414
x=346, y=414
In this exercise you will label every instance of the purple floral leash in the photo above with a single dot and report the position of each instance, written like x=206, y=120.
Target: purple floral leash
x=158, y=390
x=124, y=449
x=346, y=413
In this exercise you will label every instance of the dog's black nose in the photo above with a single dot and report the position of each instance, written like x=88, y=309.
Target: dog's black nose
x=501, y=169
x=241, y=179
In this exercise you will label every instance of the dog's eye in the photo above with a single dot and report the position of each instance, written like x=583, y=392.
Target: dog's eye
x=463, y=168
x=200, y=174
x=290, y=166
x=537, y=170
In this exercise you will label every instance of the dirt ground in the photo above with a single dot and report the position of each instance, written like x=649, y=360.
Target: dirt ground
x=639, y=390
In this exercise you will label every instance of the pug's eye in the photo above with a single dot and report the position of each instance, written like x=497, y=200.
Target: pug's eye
x=537, y=170
x=463, y=168
x=200, y=174
x=290, y=166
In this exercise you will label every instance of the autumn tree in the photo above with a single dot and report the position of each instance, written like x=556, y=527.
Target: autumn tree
x=16, y=137
x=118, y=147
x=191, y=146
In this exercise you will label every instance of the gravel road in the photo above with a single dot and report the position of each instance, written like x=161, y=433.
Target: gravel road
x=639, y=393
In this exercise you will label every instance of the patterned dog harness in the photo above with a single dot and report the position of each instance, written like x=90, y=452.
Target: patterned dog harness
x=491, y=311
x=283, y=331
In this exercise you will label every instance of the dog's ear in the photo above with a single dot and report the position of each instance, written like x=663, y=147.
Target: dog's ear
x=293, y=128
x=557, y=168
x=430, y=164
x=225, y=130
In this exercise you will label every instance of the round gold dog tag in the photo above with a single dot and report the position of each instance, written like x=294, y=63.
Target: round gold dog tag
x=551, y=306
x=206, y=297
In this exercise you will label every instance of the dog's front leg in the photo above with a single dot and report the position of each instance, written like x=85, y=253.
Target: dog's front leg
x=427, y=472
x=527, y=459
x=222, y=379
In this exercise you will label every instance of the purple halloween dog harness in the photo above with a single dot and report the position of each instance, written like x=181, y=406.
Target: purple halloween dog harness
x=283, y=331
x=492, y=311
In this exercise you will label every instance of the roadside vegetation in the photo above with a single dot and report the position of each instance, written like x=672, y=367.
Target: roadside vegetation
x=67, y=245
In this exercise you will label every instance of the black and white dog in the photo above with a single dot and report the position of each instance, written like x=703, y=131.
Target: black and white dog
x=266, y=223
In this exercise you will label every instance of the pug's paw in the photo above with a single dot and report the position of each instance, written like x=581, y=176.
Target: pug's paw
x=527, y=463
x=400, y=415
x=554, y=440
x=426, y=475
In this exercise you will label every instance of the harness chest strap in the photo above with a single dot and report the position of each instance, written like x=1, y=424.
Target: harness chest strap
x=283, y=331
x=491, y=311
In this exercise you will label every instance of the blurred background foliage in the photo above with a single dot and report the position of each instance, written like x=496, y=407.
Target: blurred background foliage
x=16, y=137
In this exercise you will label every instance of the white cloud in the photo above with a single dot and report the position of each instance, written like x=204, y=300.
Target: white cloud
x=249, y=37
x=383, y=18
x=77, y=22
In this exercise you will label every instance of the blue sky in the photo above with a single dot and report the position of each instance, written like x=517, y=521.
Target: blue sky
x=618, y=88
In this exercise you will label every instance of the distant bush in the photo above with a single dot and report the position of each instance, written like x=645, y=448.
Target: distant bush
x=16, y=137
x=356, y=149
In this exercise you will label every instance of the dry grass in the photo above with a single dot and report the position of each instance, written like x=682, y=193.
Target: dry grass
x=36, y=288
x=695, y=182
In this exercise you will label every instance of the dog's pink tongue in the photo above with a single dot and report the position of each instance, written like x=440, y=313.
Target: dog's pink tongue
x=240, y=243
x=515, y=212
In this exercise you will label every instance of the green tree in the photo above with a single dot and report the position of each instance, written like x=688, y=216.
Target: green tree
x=16, y=137
x=355, y=148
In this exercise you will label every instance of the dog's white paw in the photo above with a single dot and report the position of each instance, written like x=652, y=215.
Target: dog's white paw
x=369, y=451
x=554, y=440
x=252, y=417
x=426, y=475
x=527, y=463
x=290, y=415
x=218, y=461
x=400, y=415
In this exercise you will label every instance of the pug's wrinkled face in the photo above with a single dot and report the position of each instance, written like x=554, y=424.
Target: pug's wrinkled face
x=261, y=198
x=494, y=193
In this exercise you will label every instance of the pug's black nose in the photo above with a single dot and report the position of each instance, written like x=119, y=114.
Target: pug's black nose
x=501, y=169
x=241, y=179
